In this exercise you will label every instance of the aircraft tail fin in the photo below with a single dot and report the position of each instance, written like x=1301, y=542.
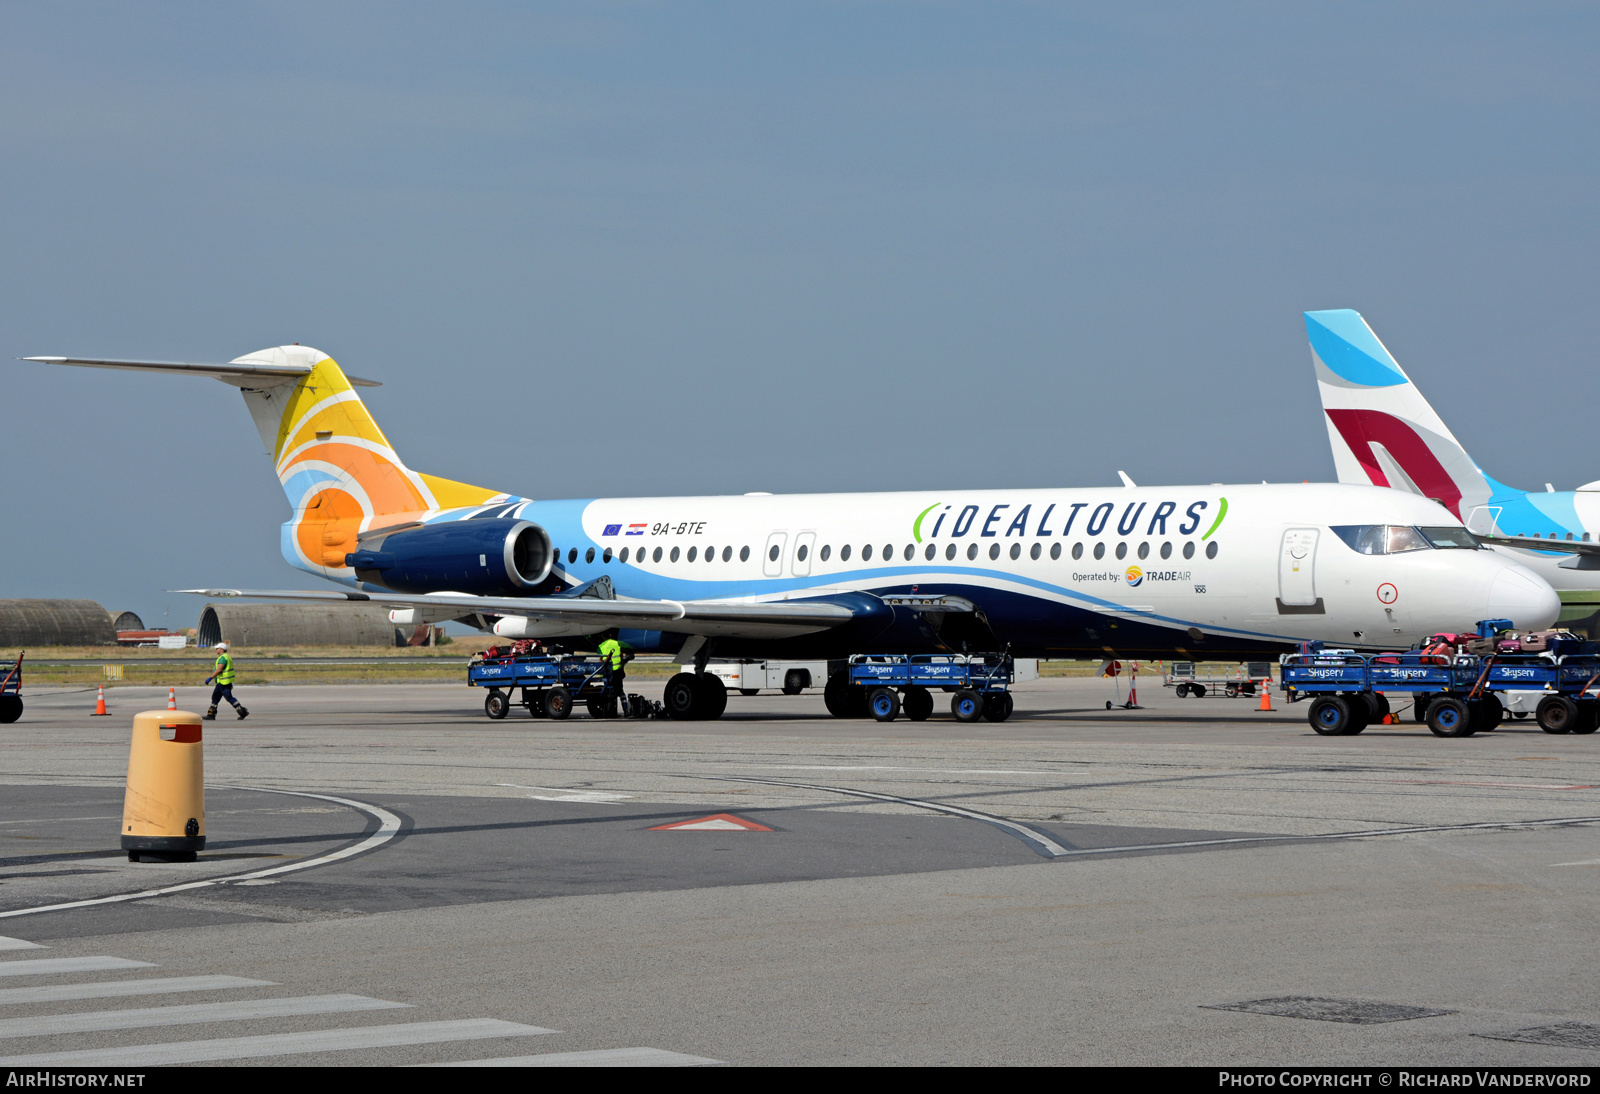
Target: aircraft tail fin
x=1381, y=429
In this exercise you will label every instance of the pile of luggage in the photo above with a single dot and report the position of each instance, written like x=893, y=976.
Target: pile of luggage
x=1471, y=643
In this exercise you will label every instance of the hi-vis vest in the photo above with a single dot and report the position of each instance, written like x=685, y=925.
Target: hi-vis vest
x=224, y=670
x=611, y=653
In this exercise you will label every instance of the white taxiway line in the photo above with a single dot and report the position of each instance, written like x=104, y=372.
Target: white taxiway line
x=188, y=1014
x=277, y=1044
x=605, y=1057
x=388, y=828
x=1035, y=839
x=113, y=989
x=45, y=966
x=18, y=944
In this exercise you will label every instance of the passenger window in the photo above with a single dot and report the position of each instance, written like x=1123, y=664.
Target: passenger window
x=994, y=551
x=1144, y=550
x=1188, y=549
x=572, y=556
x=744, y=554
x=888, y=552
x=711, y=554
x=826, y=551
x=930, y=552
x=950, y=552
x=772, y=555
x=844, y=553
x=606, y=557
x=1055, y=551
x=866, y=553
x=1077, y=550
x=657, y=555
x=623, y=557
x=972, y=551
x=1122, y=550
x=692, y=552
x=1016, y=551
x=1034, y=552
x=1211, y=549
x=588, y=556
x=1099, y=550
x=1166, y=550
x=727, y=553
x=911, y=549
x=800, y=554
x=674, y=554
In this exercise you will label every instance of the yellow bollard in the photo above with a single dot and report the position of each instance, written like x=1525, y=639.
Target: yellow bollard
x=164, y=810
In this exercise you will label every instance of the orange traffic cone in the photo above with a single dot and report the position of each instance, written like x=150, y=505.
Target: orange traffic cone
x=1266, y=695
x=100, y=703
x=1133, y=689
x=172, y=698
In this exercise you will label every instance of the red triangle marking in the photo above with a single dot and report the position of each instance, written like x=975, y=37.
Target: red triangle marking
x=717, y=822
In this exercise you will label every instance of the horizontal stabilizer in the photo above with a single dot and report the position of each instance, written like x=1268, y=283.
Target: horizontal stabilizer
x=240, y=373
x=774, y=619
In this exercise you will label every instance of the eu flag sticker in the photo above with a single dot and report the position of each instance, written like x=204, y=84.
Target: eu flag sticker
x=612, y=529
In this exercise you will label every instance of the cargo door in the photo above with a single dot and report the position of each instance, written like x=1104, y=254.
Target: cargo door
x=772, y=558
x=1297, y=586
x=804, y=544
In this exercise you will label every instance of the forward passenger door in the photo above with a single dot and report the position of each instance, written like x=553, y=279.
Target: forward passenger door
x=772, y=556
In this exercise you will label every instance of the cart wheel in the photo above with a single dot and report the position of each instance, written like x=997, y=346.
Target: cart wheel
x=1329, y=716
x=1487, y=714
x=1197, y=690
x=495, y=704
x=558, y=702
x=1449, y=717
x=966, y=705
x=918, y=704
x=1181, y=691
x=535, y=705
x=1231, y=692
x=682, y=698
x=835, y=696
x=1377, y=706
x=1419, y=706
x=884, y=704
x=1557, y=714
x=1519, y=715
x=749, y=691
x=794, y=681
x=997, y=706
x=597, y=708
x=10, y=708
x=1588, y=716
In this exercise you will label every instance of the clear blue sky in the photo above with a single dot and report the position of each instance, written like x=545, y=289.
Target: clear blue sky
x=642, y=248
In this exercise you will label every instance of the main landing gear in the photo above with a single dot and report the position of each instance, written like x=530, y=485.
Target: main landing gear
x=692, y=697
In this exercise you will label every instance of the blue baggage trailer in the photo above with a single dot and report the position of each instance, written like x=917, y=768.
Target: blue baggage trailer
x=1455, y=694
x=11, y=693
x=550, y=685
x=905, y=682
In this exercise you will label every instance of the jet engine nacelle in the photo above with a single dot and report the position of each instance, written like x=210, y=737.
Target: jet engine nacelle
x=481, y=557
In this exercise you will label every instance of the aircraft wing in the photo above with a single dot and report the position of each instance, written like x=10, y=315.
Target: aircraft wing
x=1534, y=543
x=768, y=619
x=242, y=372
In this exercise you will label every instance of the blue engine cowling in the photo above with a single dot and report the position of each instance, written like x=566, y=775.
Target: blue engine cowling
x=481, y=557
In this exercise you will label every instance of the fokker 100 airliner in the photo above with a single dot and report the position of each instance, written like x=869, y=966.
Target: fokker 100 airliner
x=1210, y=572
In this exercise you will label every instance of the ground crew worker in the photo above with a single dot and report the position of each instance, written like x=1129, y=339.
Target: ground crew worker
x=612, y=657
x=224, y=689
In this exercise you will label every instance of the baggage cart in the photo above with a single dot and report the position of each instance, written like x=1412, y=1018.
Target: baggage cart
x=1184, y=679
x=11, y=693
x=891, y=683
x=550, y=685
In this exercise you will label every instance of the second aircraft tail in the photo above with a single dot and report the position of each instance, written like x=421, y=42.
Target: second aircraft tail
x=1382, y=430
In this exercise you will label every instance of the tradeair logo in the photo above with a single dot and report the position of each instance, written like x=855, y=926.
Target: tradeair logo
x=1006, y=520
x=1135, y=576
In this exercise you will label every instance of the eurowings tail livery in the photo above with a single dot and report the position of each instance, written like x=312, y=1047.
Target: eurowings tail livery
x=1384, y=432
x=1219, y=572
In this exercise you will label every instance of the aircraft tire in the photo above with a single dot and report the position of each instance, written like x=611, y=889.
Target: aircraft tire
x=558, y=702
x=1449, y=717
x=1557, y=714
x=495, y=704
x=884, y=703
x=918, y=704
x=682, y=698
x=712, y=697
x=835, y=696
x=1588, y=716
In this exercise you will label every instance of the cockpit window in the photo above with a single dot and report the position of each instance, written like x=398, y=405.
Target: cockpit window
x=1363, y=539
x=1451, y=537
x=1402, y=538
x=1394, y=539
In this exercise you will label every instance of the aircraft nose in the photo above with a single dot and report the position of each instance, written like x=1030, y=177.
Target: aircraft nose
x=1524, y=598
